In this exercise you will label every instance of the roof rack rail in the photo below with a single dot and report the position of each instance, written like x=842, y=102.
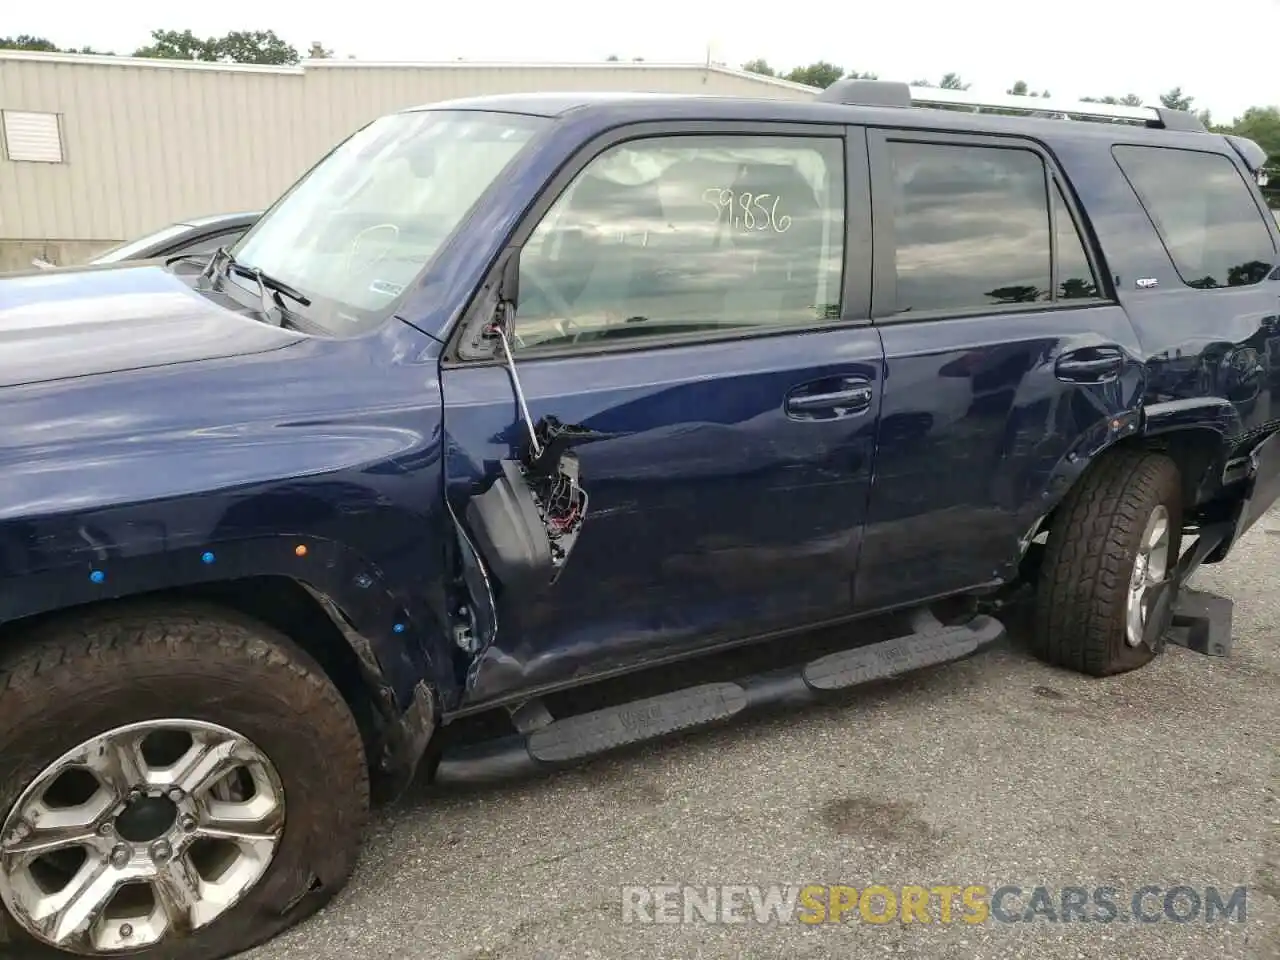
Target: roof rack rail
x=888, y=93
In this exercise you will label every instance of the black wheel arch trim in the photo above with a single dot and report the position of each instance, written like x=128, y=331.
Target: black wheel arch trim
x=1213, y=419
x=398, y=643
x=1210, y=425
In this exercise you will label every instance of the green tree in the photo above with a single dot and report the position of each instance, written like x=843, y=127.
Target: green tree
x=175, y=45
x=1262, y=126
x=760, y=66
x=1020, y=89
x=821, y=74
x=950, y=81
x=27, y=42
x=41, y=45
x=318, y=51
x=255, y=46
x=239, y=46
x=1175, y=99
x=1128, y=100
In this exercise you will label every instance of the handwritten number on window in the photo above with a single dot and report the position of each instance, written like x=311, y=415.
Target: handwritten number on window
x=747, y=211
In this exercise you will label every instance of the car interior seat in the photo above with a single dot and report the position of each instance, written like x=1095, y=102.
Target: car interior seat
x=777, y=274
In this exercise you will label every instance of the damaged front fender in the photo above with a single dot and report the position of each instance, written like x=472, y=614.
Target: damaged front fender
x=401, y=735
x=518, y=526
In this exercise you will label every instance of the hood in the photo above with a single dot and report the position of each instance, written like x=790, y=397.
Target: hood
x=75, y=323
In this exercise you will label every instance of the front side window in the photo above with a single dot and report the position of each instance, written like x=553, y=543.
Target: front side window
x=684, y=235
x=1205, y=214
x=362, y=225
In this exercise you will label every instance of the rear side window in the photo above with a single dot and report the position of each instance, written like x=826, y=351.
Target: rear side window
x=1205, y=214
x=1076, y=280
x=973, y=229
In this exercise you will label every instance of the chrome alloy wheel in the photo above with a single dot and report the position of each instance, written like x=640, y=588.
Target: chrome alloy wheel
x=1149, y=570
x=141, y=835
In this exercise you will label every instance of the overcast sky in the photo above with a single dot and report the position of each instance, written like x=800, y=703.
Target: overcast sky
x=1225, y=54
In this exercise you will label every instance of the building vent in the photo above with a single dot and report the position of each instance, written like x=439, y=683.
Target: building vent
x=32, y=137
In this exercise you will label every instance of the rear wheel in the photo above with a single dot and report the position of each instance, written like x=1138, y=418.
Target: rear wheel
x=177, y=784
x=1102, y=603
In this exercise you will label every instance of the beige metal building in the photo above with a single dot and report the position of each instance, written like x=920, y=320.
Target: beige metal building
x=96, y=150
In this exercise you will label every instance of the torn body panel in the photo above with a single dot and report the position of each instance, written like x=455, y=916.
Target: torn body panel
x=402, y=735
x=519, y=533
x=1260, y=480
x=529, y=519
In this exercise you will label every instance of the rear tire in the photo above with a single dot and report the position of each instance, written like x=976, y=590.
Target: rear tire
x=1092, y=561
x=77, y=698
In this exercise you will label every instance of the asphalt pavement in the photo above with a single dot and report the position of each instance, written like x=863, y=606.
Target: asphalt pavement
x=994, y=772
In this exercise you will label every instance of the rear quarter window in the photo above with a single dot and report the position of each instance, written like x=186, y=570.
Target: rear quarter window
x=1204, y=211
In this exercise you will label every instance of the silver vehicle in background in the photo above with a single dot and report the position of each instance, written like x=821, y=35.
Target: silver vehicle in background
x=191, y=238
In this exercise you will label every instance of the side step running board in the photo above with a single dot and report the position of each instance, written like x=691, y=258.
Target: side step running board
x=564, y=742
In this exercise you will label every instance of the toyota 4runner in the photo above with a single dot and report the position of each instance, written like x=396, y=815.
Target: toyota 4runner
x=512, y=395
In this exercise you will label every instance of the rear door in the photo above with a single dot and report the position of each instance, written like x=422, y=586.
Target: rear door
x=699, y=294
x=1006, y=358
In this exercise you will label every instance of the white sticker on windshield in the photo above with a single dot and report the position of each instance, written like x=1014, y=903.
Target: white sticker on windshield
x=386, y=288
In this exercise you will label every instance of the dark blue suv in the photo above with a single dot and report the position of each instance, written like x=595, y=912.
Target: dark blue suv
x=511, y=395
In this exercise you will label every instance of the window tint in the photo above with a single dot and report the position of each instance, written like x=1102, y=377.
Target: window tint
x=1204, y=212
x=1076, y=280
x=686, y=234
x=972, y=226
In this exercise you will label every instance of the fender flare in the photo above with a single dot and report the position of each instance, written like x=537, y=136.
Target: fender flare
x=396, y=640
x=1209, y=417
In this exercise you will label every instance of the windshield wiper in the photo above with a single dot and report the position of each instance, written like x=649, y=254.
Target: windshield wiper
x=222, y=263
x=266, y=280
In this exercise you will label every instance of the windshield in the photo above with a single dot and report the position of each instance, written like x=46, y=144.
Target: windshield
x=133, y=247
x=363, y=223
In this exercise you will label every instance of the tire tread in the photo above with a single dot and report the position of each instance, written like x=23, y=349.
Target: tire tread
x=1085, y=576
x=189, y=636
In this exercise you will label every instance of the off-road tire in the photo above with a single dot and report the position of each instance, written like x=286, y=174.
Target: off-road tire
x=78, y=680
x=1081, y=597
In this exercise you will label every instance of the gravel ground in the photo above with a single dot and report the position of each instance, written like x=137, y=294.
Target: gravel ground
x=998, y=770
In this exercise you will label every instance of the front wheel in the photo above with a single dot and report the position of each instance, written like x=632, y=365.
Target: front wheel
x=176, y=784
x=1102, y=603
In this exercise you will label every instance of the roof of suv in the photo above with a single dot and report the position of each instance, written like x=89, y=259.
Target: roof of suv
x=678, y=106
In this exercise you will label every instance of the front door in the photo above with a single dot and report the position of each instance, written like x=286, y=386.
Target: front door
x=693, y=296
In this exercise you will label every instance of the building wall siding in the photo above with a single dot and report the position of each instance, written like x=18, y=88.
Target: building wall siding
x=148, y=143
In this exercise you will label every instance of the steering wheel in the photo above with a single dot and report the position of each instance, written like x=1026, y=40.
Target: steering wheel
x=565, y=327
x=359, y=239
